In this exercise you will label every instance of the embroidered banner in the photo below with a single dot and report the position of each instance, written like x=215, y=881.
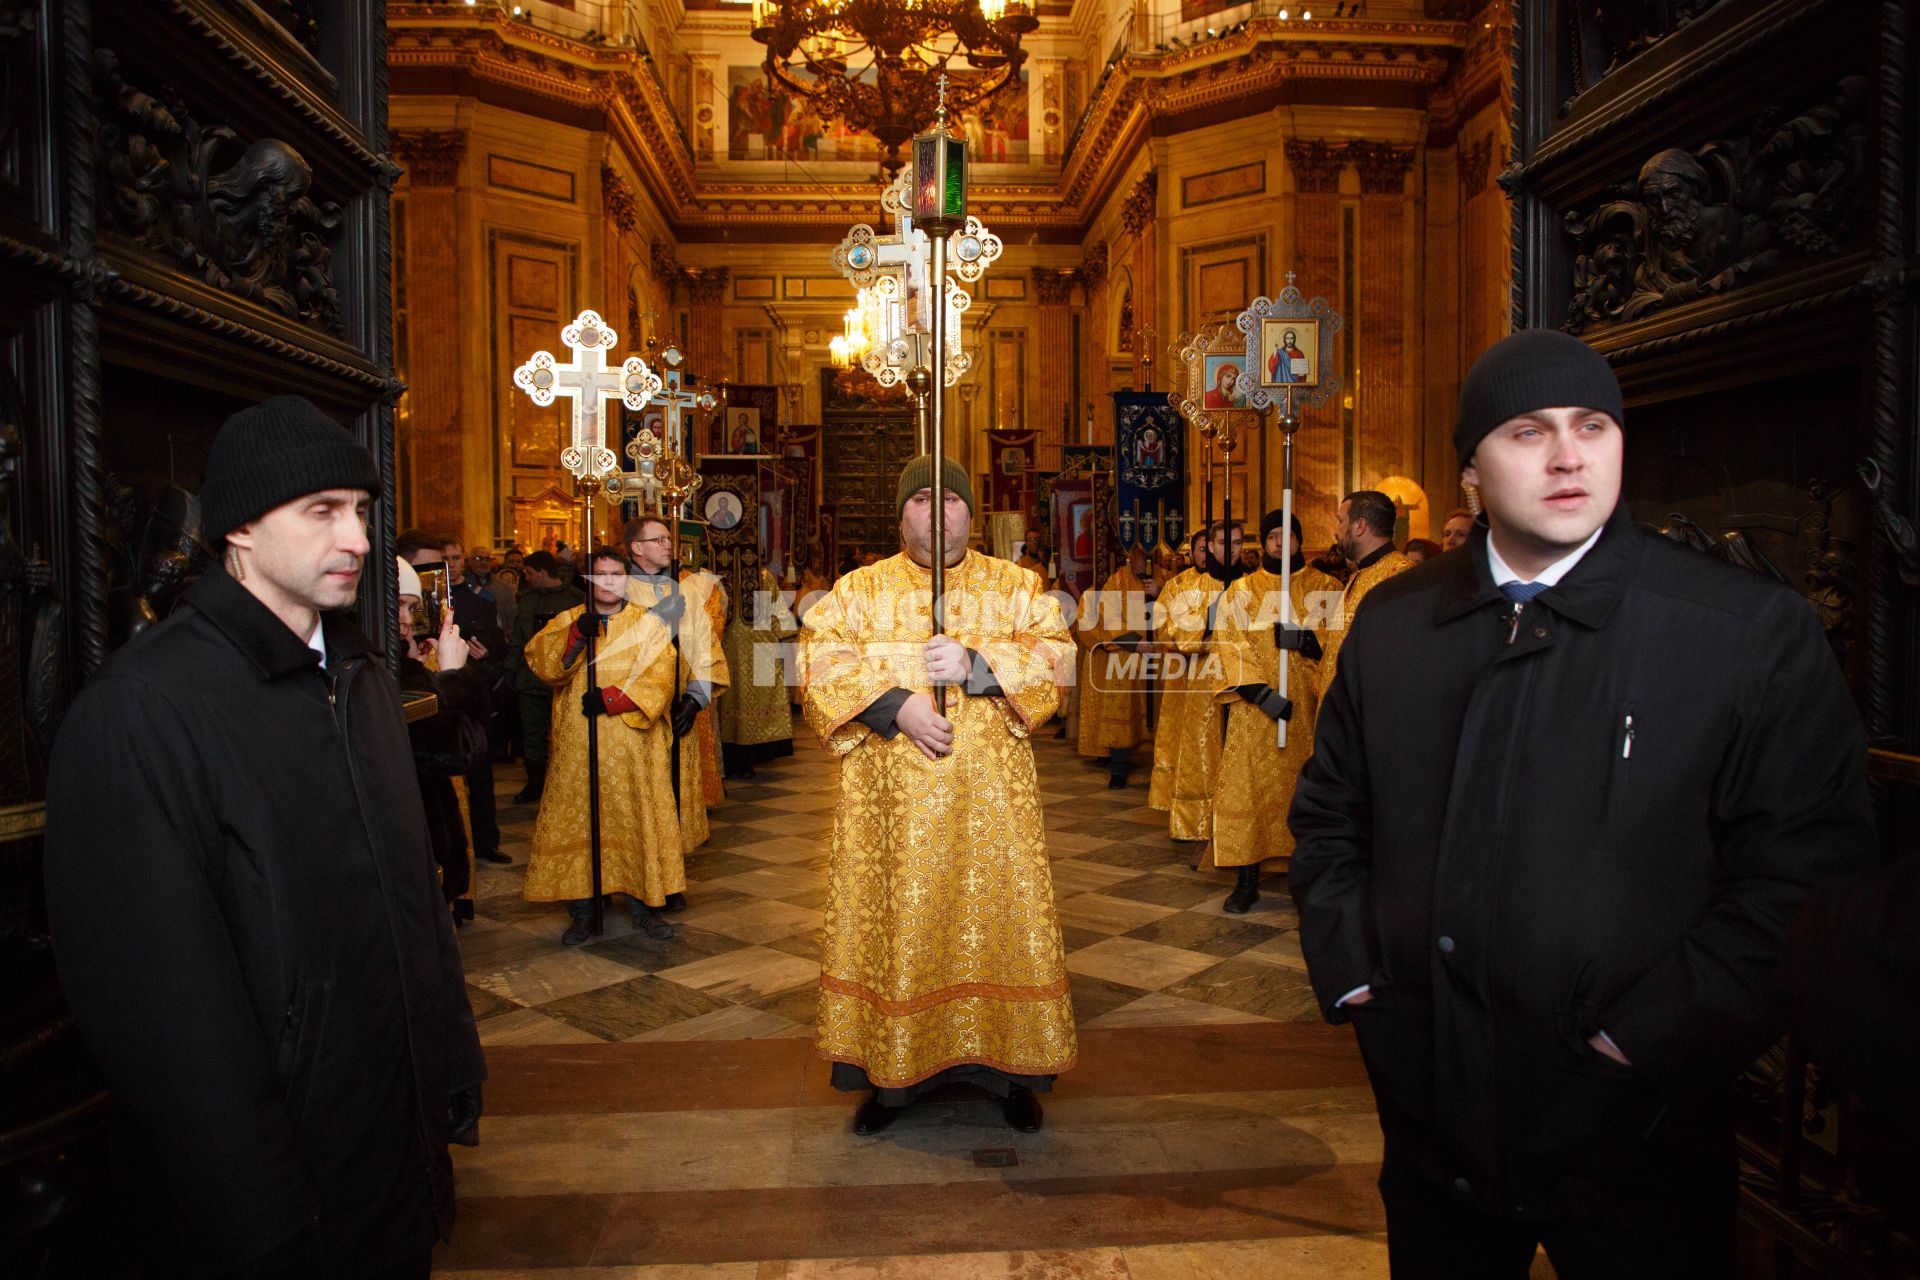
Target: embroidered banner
x=1150, y=474
x=1011, y=460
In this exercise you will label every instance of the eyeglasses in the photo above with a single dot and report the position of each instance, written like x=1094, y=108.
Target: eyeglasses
x=662, y=538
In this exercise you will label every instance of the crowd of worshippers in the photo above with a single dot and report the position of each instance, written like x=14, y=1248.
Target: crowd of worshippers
x=1571, y=816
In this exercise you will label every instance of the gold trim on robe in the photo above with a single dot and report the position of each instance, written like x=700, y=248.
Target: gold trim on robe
x=756, y=708
x=1178, y=699
x=640, y=850
x=1387, y=566
x=701, y=658
x=1257, y=775
x=1197, y=753
x=942, y=943
x=1113, y=701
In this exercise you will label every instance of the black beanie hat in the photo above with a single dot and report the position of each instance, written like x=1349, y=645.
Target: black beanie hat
x=1532, y=369
x=1271, y=521
x=272, y=453
x=919, y=475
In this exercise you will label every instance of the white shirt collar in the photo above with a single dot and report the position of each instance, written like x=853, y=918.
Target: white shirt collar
x=1549, y=576
x=318, y=643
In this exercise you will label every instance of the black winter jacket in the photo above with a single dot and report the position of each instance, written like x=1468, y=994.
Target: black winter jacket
x=1604, y=822
x=250, y=935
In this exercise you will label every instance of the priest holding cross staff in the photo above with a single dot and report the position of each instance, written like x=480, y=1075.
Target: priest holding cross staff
x=613, y=660
x=927, y=675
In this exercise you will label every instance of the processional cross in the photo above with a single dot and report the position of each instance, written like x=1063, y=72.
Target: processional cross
x=588, y=384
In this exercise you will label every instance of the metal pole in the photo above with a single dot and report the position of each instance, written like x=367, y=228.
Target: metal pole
x=938, y=449
x=1287, y=424
x=589, y=489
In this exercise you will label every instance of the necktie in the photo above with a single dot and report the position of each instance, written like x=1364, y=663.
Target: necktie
x=1522, y=592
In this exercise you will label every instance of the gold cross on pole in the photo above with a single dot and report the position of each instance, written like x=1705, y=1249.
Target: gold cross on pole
x=588, y=384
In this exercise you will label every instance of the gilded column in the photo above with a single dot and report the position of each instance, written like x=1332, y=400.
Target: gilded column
x=1050, y=393
x=706, y=299
x=1138, y=217
x=1389, y=410
x=428, y=433
x=1318, y=453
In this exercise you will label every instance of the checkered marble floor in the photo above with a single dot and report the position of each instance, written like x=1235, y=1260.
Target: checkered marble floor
x=1147, y=942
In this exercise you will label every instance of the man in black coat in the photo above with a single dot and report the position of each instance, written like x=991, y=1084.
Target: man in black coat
x=283, y=1022
x=1557, y=947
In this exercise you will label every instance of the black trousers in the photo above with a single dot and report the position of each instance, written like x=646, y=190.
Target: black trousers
x=481, y=807
x=1433, y=1236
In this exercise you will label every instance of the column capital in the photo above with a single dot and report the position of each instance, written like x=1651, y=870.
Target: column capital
x=1383, y=167
x=430, y=156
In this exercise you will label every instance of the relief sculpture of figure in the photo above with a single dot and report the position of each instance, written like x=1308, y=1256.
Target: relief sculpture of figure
x=1697, y=247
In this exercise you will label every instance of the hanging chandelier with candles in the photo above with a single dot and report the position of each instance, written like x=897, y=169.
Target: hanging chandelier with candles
x=874, y=65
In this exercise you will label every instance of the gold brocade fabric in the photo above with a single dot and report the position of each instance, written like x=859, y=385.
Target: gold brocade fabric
x=756, y=708
x=1197, y=753
x=701, y=658
x=640, y=850
x=1179, y=701
x=942, y=944
x=1358, y=585
x=1113, y=701
x=1255, y=786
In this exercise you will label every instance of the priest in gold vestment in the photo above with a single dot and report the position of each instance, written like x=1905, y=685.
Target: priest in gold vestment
x=1178, y=698
x=1363, y=533
x=703, y=666
x=1197, y=754
x=1255, y=785
x=756, y=717
x=633, y=700
x=1113, y=692
x=942, y=958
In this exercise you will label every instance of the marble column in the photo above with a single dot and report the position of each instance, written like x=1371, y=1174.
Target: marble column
x=1319, y=452
x=434, y=444
x=1389, y=409
x=1050, y=393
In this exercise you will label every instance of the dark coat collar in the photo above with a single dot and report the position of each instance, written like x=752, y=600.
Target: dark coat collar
x=257, y=632
x=1586, y=596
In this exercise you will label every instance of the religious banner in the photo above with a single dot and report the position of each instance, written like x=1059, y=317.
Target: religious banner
x=1074, y=520
x=748, y=422
x=1082, y=458
x=1151, y=475
x=800, y=458
x=729, y=503
x=1011, y=454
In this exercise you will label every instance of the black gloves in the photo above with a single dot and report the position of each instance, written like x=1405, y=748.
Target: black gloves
x=1299, y=639
x=670, y=608
x=686, y=709
x=463, y=1117
x=594, y=703
x=1268, y=700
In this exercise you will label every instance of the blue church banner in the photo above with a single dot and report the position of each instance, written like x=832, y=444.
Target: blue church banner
x=1150, y=470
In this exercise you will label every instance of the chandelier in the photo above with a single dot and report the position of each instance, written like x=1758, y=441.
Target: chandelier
x=861, y=322
x=874, y=64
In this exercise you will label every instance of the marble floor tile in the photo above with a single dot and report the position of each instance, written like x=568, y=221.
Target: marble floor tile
x=1075, y=938
x=1093, y=996
x=1071, y=876
x=1133, y=856
x=805, y=945
x=1207, y=935
x=744, y=975
x=802, y=802
x=1131, y=962
x=485, y=1004
x=775, y=881
x=506, y=944
x=1321, y=1257
x=1067, y=842
x=706, y=867
x=1161, y=890
x=689, y=942
x=624, y=1153
x=1101, y=914
x=550, y=977
x=1045, y=1264
x=628, y=1009
x=530, y=1026
x=763, y=921
x=704, y=900
x=731, y=1022
x=1158, y=1009
x=799, y=1005
x=784, y=849
x=669, y=1271
x=1255, y=986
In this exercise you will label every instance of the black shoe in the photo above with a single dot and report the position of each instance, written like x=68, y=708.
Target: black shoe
x=578, y=931
x=1116, y=782
x=494, y=856
x=676, y=902
x=645, y=921
x=873, y=1116
x=531, y=793
x=1246, y=892
x=1022, y=1109
x=462, y=910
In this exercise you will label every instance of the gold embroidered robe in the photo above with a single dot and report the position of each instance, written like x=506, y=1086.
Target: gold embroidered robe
x=1113, y=695
x=756, y=709
x=1257, y=776
x=640, y=851
x=1358, y=585
x=1178, y=699
x=701, y=658
x=1197, y=753
x=942, y=944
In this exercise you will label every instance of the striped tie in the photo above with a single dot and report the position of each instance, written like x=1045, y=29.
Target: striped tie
x=1522, y=592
